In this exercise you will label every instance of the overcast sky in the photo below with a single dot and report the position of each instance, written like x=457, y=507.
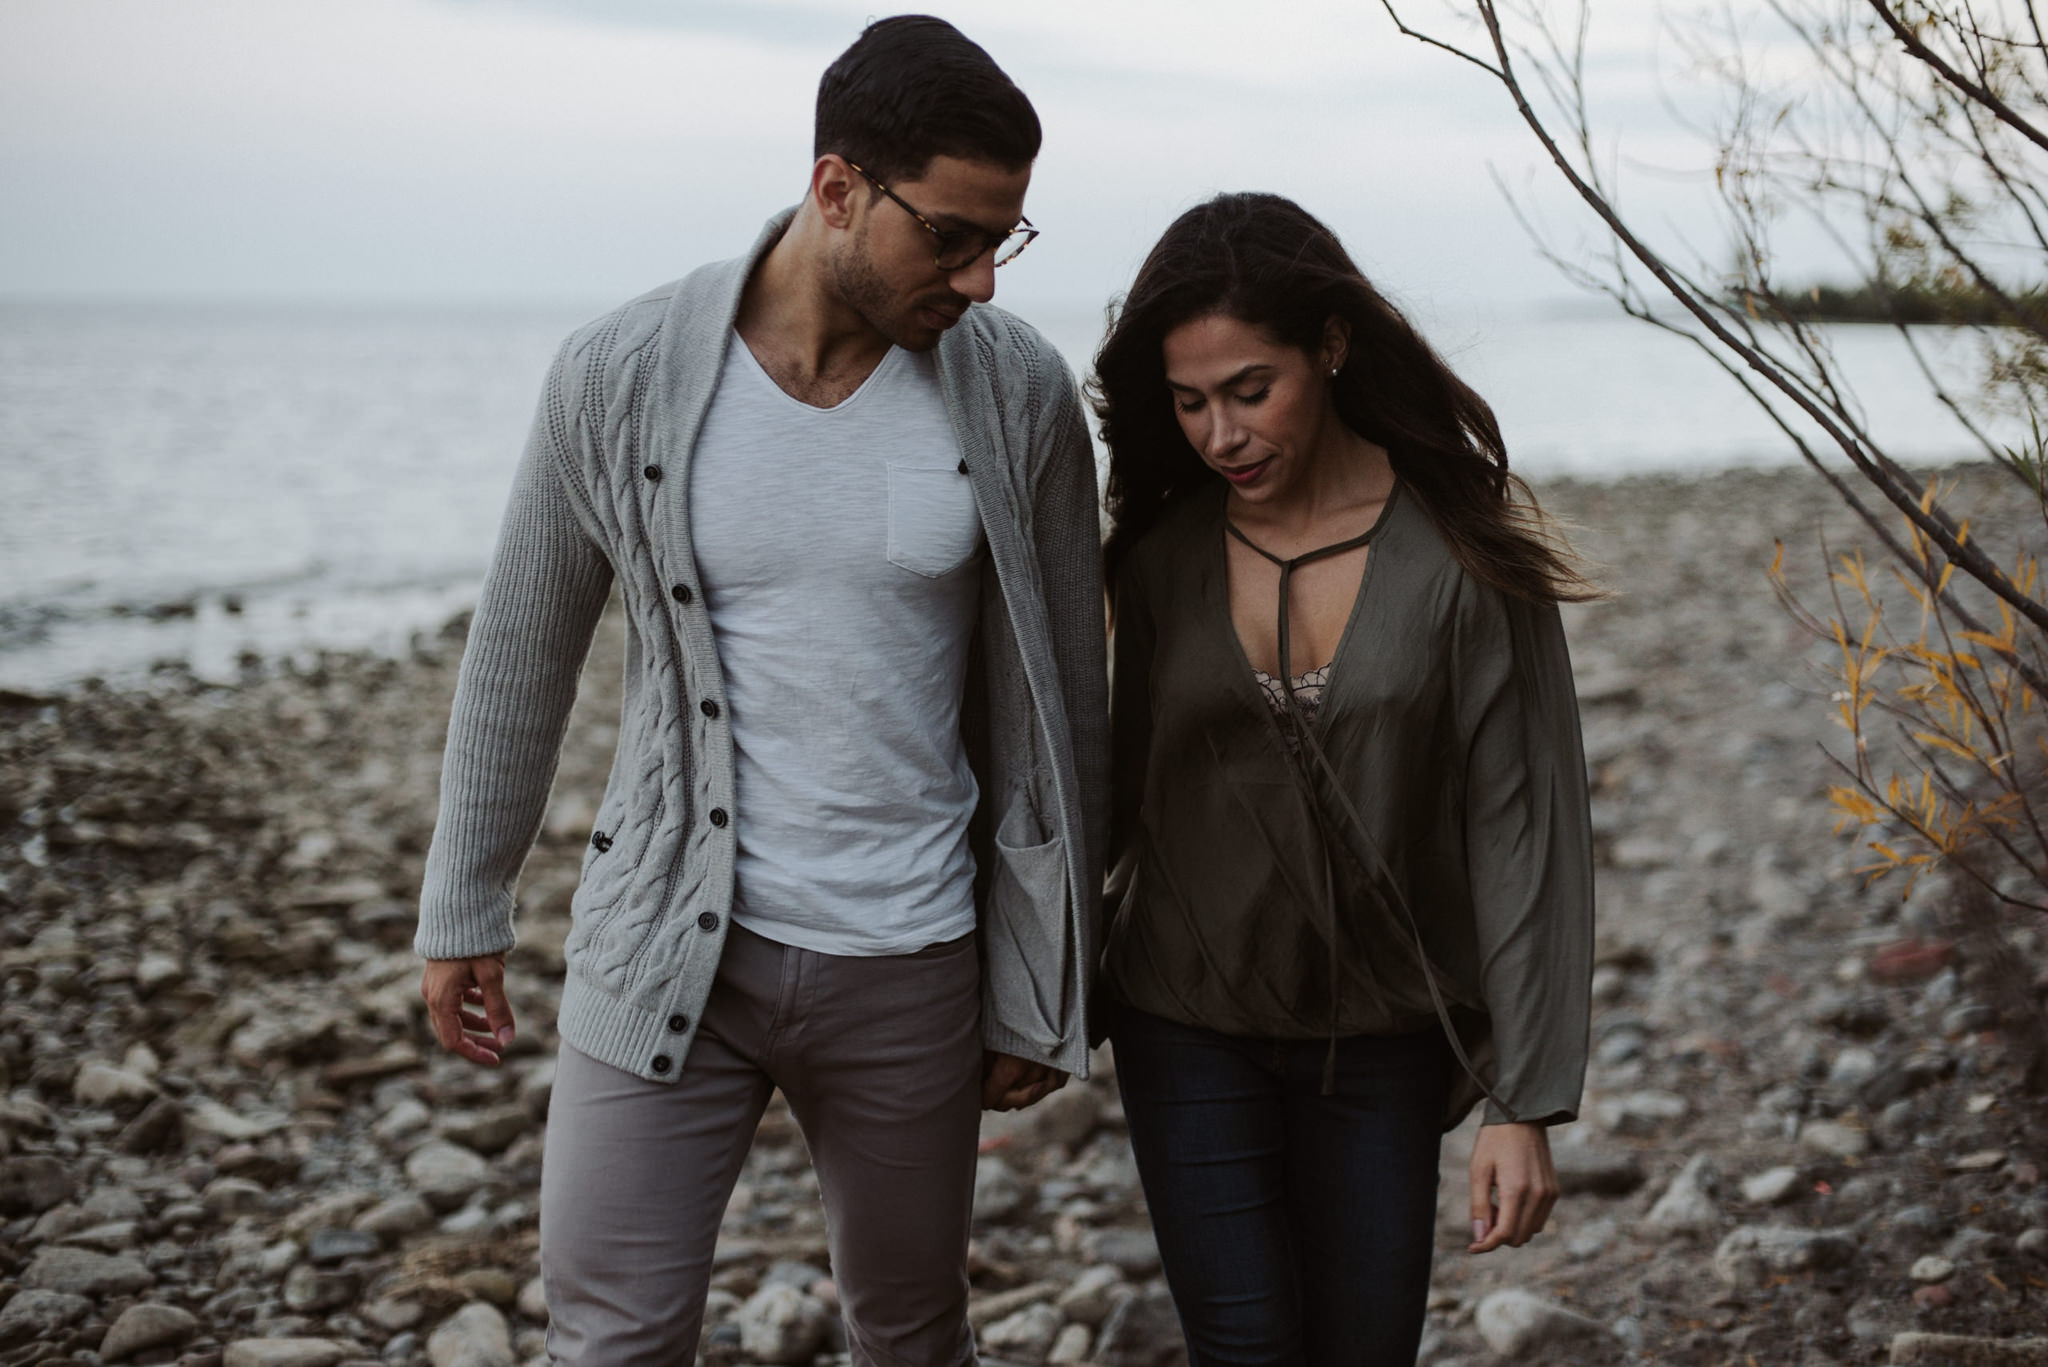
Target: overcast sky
x=574, y=152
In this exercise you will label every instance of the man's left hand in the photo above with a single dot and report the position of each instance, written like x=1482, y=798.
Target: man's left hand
x=1009, y=1083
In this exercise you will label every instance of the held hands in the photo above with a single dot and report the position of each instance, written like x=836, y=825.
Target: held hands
x=1513, y=1185
x=453, y=988
x=1009, y=1083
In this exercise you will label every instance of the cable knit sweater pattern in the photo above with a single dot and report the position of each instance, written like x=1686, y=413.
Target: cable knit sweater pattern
x=601, y=493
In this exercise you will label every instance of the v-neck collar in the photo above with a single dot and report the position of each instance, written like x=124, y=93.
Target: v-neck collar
x=1215, y=585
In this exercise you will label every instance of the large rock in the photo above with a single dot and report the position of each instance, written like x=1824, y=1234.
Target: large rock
x=155, y=972
x=1134, y=1252
x=228, y=1197
x=284, y=1353
x=211, y=1118
x=1956, y=1350
x=393, y=1314
x=493, y=1284
x=325, y=1212
x=1518, y=1324
x=1026, y=1336
x=113, y=1203
x=325, y=1247
x=1750, y=1256
x=101, y=1085
x=1771, y=1186
x=1836, y=1138
x=114, y=1236
x=1583, y=1170
x=161, y=1125
x=312, y=1290
x=485, y=1131
x=780, y=1324
x=35, y=1315
x=1643, y=1113
x=988, y=1309
x=999, y=1192
x=396, y=1218
x=474, y=1336
x=446, y=1174
x=146, y=1326
x=31, y=1184
x=532, y=1301
x=1093, y=1295
x=1687, y=1205
x=84, y=1273
x=1070, y=1348
x=1142, y=1331
x=403, y=1117
x=273, y=1036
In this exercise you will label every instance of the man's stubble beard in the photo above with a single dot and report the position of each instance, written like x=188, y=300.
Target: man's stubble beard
x=861, y=288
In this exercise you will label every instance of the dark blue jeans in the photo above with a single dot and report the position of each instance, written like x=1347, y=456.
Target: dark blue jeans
x=1295, y=1228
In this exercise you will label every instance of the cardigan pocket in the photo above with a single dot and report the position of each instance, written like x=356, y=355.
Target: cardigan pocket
x=934, y=526
x=1027, y=932
x=616, y=842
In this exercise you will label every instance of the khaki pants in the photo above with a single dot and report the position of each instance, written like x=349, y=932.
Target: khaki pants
x=880, y=1059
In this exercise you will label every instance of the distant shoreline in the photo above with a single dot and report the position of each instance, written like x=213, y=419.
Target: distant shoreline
x=1865, y=304
x=154, y=648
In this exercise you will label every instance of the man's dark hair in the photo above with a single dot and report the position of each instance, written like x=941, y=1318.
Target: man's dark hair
x=912, y=88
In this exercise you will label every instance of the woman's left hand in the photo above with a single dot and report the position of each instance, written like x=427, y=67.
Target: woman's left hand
x=1514, y=1185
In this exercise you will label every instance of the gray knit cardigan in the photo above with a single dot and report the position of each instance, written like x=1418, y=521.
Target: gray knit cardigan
x=602, y=492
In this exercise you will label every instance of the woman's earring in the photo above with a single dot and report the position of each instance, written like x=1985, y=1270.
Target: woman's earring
x=1333, y=371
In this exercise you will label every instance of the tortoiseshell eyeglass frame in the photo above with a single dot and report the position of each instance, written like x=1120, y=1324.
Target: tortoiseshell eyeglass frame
x=948, y=245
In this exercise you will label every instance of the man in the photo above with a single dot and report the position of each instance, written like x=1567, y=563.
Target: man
x=852, y=835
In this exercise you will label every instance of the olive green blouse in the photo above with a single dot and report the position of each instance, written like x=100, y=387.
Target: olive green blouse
x=1255, y=897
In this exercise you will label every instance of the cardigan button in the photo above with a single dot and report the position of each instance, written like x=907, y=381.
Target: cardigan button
x=681, y=593
x=718, y=816
x=660, y=1064
x=707, y=920
x=653, y=473
x=963, y=467
x=708, y=708
x=678, y=1023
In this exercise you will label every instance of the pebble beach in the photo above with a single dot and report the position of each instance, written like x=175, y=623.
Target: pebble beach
x=226, y=1136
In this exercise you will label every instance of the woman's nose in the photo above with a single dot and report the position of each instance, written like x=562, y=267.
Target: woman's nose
x=1225, y=436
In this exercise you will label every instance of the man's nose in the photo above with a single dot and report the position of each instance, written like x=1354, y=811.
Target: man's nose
x=976, y=280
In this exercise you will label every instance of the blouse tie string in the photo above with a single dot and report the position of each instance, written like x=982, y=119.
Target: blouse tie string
x=1301, y=729
x=1311, y=748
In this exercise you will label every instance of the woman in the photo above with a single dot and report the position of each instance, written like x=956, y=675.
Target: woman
x=1353, y=887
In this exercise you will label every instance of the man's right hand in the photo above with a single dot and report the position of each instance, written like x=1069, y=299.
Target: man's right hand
x=453, y=989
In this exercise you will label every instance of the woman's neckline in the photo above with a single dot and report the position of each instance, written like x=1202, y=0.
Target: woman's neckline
x=1363, y=539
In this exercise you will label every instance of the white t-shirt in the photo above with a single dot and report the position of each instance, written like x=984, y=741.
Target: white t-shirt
x=840, y=555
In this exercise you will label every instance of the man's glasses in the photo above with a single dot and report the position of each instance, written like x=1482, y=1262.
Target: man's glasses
x=958, y=248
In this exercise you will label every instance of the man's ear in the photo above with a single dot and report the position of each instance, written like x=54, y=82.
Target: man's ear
x=833, y=185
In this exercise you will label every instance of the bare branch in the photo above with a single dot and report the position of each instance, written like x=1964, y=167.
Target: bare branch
x=1982, y=94
x=1421, y=37
x=1873, y=464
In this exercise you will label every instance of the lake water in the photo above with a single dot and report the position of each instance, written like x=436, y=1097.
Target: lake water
x=191, y=483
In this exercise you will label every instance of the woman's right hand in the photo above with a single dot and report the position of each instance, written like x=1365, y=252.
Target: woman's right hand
x=453, y=989
x=1514, y=1185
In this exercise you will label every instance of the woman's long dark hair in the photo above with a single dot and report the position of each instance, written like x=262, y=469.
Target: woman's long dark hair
x=1266, y=261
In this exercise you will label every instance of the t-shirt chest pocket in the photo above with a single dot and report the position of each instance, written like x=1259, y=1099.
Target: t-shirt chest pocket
x=934, y=526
